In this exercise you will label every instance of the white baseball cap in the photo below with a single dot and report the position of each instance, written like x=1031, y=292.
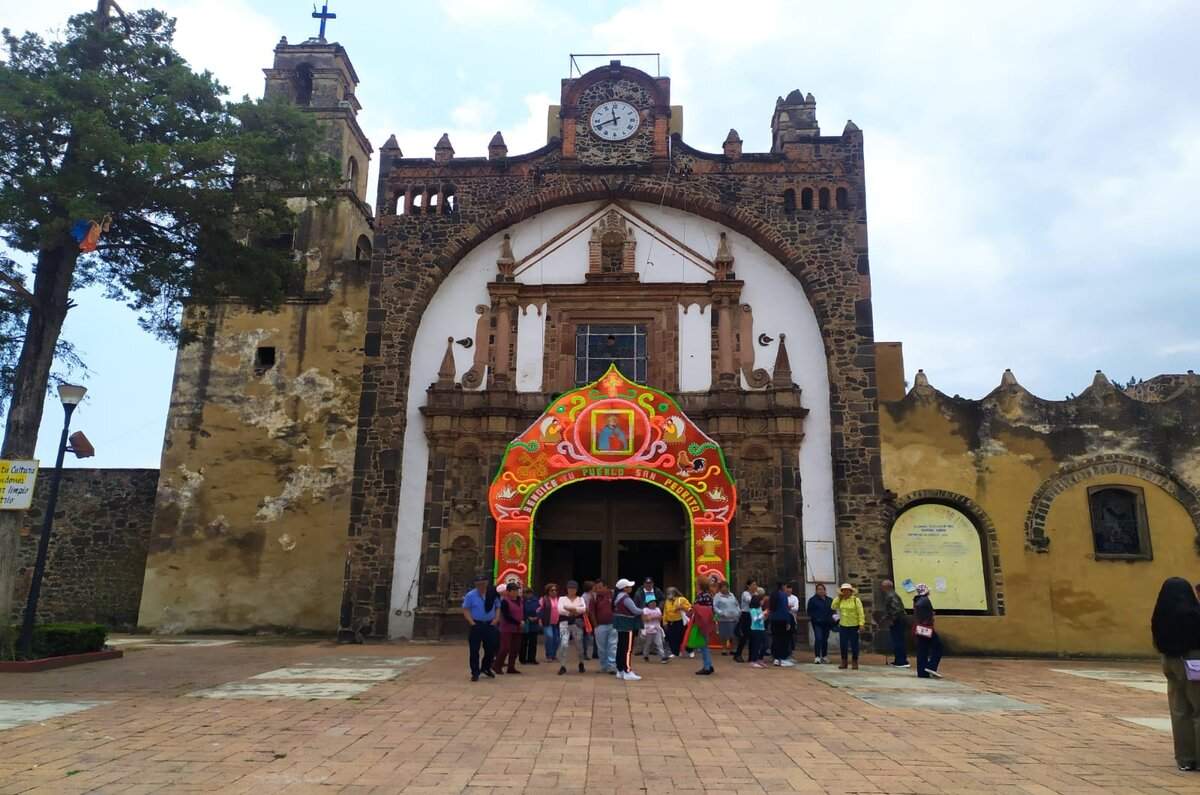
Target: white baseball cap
x=623, y=583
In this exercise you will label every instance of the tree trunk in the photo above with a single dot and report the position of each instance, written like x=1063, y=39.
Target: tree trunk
x=51, y=289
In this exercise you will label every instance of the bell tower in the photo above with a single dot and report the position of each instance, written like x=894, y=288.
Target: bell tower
x=317, y=76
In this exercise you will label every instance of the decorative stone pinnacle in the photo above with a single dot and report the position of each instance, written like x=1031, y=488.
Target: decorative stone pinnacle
x=782, y=377
x=444, y=150
x=1100, y=380
x=506, y=260
x=496, y=147
x=733, y=144
x=809, y=99
x=391, y=144
x=446, y=371
x=1008, y=379
x=850, y=127
x=733, y=137
x=920, y=380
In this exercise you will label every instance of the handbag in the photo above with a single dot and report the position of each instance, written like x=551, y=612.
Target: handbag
x=1192, y=669
x=927, y=632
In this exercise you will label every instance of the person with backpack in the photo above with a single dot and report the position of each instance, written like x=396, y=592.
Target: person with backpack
x=849, y=613
x=780, y=621
x=1175, y=627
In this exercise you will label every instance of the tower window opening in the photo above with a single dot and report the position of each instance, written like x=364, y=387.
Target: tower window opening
x=806, y=199
x=449, y=203
x=823, y=199
x=303, y=84
x=842, y=199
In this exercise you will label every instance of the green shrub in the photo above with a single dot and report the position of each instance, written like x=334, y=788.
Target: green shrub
x=57, y=640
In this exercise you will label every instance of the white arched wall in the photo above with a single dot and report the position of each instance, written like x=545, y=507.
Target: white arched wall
x=776, y=297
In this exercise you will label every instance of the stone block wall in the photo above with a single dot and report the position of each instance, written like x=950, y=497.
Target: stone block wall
x=98, y=547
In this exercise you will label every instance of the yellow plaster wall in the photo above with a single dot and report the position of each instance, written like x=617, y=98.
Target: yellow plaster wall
x=1059, y=602
x=254, y=495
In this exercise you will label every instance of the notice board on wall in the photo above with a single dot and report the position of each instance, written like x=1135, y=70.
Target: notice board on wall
x=940, y=546
x=819, y=564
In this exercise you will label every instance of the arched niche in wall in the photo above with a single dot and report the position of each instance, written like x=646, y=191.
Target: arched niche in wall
x=945, y=541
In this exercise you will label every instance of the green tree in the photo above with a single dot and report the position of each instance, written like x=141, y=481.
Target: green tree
x=111, y=122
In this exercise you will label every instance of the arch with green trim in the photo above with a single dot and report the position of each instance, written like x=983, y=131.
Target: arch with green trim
x=613, y=429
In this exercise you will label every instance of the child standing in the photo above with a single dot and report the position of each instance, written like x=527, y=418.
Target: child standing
x=758, y=632
x=653, y=635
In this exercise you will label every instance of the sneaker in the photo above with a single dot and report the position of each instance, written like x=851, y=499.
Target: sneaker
x=562, y=669
x=691, y=655
x=707, y=672
x=631, y=677
x=488, y=674
x=757, y=664
x=670, y=656
x=580, y=667
x=787, y=664
x=474, y=677
x=665, y=660
x=899, y=665
x=775, y=663
x=817, y=661
x=825, y=660
x=934, y=673
x=1187, y=767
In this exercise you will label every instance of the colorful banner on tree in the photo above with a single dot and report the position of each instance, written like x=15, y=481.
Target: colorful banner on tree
x=613, y=429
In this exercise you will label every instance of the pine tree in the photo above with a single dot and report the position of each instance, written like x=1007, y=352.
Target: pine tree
x=111, y=123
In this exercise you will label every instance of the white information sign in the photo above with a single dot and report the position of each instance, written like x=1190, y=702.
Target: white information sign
x=17, y=479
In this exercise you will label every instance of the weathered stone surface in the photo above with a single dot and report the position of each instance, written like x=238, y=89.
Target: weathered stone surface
x=97, y=548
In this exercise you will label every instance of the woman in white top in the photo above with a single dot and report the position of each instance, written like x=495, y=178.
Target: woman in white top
x=571, y=609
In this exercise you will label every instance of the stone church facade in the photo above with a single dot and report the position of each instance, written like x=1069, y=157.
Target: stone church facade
x=330, y=464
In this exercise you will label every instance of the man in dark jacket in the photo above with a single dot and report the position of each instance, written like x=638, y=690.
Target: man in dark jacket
x=895, y=618
x=648, y=588
x=781, y=623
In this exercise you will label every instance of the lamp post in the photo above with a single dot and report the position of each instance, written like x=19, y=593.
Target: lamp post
x=70, y=395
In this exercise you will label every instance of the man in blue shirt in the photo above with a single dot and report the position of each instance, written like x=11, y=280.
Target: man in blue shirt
x=479, y=609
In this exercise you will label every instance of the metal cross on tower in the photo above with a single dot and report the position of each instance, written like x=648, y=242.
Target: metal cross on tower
x=323, y=15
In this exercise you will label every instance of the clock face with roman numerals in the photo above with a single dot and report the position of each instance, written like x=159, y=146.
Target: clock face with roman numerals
x=615, y=120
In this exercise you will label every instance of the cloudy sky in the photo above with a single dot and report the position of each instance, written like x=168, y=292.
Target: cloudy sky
x=1032, y=167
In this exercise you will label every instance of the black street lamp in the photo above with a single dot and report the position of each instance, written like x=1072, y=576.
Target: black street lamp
x=70, y=396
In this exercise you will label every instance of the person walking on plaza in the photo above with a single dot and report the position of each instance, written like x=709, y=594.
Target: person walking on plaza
x=571, y=609
x=652, y=631
x=702, y=627
x=820, y=615
x=929, y=645
x=1175, y=627
x=849, y=613
x=674, y=610
x=600, y=614
x=512, y=620
x=895, y=620
x=548, y=615
x=793, y=617
x=479, y=609
x=780, y=618
x=743, y=627
x=627, y=621
x=533, y=628
x=725, y=604
x=758, y=631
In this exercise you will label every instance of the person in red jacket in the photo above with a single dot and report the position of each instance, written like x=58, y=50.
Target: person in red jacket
x=512, y=620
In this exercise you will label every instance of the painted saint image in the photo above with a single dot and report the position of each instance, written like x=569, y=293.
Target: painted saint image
x=611, y=438
x=612, y=432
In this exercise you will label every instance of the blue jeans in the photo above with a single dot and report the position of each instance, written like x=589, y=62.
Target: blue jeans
x=929, y=655
x=606, y=642
x=848, y=640
x=820, y=641
x=758, y=644
x=706, y=657
x=551, y=634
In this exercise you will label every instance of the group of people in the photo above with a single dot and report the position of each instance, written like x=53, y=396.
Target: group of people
x=615, y=626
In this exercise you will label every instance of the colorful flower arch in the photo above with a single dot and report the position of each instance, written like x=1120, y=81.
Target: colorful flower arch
x=613, y=429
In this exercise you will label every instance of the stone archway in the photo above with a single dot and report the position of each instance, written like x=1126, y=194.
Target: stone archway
x=613, y=429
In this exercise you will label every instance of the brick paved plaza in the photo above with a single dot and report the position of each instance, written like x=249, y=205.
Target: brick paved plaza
x=286, y=716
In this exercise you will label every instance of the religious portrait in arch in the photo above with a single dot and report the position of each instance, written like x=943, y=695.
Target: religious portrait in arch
x=612, y=432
